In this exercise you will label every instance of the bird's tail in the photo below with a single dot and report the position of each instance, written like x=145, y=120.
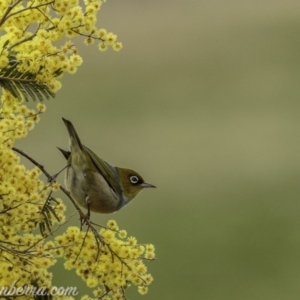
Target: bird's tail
x=75, y=141
x=65, y=153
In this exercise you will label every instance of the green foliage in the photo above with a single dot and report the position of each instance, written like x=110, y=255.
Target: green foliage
x=23, y=84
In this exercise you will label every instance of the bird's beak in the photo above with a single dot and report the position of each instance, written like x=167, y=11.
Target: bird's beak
x=147, y=185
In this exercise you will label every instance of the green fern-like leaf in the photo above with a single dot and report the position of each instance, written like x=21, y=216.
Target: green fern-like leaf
x=46, y=212
x=23, y=84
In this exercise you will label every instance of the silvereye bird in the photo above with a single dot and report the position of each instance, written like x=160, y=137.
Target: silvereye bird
x=95, y=184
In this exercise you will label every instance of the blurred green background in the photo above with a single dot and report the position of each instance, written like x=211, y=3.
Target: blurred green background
x=203, y=101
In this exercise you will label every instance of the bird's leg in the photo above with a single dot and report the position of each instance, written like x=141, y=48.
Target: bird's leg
x=87, y=216
x=88, y=203
x=53, y=177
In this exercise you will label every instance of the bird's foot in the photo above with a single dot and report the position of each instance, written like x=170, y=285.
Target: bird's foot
x=85, y=220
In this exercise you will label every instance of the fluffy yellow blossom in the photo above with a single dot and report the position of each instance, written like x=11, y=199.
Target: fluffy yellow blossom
x=110, y=265
x=143, y=290
x=122, y=234
x=89, y=40
x=91, y=282
x=76, y=60
x=131, y=241
x=101, y=33
x=111, y=38
x=41, y=107
x=117, y=46
x=55, y=186
x=36, y=52
x=103, y=46
x=23, y=198
x=112, y=224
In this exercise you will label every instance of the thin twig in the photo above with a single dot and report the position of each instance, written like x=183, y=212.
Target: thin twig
x=59, y=226
x=6, y=16
x=25, y=39
x=41, y=167
x=9, y=8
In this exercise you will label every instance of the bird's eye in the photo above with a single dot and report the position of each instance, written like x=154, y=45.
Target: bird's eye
x=134, y=179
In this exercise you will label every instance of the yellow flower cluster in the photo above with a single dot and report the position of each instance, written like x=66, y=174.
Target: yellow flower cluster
x=24, y=256
x=16, y=118
x=24, y=259
x=110, y=265
x=109, y=260
x=34, y=51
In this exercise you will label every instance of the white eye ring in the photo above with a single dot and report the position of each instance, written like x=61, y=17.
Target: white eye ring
x=134, y=179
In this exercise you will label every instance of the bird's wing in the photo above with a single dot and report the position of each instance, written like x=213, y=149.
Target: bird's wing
x=108, y=172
